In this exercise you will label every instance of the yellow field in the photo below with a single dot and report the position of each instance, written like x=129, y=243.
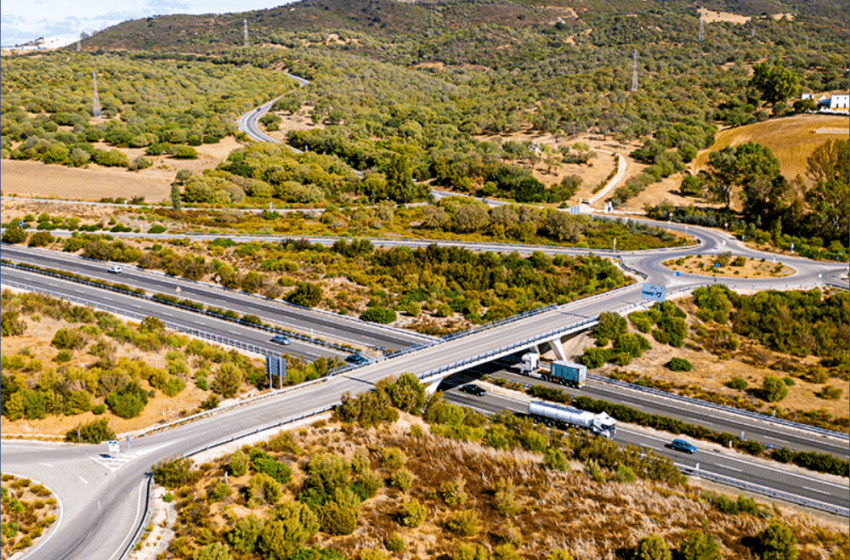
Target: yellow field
x=791, y=139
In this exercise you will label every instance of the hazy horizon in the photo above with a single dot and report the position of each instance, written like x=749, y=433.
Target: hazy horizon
x=22, y=22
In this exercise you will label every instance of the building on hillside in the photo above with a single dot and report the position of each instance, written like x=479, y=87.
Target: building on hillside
x=808, y=96
x=834, y=102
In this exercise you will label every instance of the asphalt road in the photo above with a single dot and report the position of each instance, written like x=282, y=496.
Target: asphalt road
x=726, y=463
x=307, y=321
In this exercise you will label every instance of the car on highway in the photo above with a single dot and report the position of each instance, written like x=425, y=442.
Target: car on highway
x=115, y=270
x=473, y=390
x=280, y=339
x=682, y=445
x=357, y=359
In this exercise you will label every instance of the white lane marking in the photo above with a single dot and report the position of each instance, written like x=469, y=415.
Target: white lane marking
x=135, y=521
x=818, y=491
x=98, y=504
x=83, y=479
x=728, y=468
x=753, y=464
x=46, y=465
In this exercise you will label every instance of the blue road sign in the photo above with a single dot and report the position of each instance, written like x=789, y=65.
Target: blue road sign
x=654, y=292
x=275, y=366
x=677, y=273
x=716, y=265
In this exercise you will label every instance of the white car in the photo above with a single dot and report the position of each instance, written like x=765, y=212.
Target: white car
x=115, y=270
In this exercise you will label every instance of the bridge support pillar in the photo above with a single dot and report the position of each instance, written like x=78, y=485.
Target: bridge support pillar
x=432, y=387
x=558, y=349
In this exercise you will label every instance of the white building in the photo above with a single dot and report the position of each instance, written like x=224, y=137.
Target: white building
x=841, y=101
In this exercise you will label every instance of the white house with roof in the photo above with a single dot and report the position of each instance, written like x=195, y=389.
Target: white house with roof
x=840, y=101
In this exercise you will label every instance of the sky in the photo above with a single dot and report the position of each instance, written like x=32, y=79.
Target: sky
x=25, y=20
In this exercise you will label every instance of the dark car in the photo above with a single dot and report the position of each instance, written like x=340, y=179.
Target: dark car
x=473, y=390
x=280, y=339
x=357, y=359
x=682, y=445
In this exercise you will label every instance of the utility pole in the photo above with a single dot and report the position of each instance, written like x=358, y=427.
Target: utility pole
x=701, y=24
x=96, y=105
x=634, y=74
x=245, y=27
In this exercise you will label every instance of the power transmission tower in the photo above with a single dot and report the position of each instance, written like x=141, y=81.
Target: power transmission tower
x=96, y=104
x=701, y=24
x=634, y=74
x=245, y=24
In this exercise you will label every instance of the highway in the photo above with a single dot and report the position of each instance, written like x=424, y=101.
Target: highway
x=101, y=498
x=307, y=321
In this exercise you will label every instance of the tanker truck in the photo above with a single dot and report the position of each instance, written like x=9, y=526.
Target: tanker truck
x=568, y=417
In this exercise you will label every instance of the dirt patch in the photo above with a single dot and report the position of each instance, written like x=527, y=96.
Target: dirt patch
x=751, y=268
x=715, y=17
x=94, y=182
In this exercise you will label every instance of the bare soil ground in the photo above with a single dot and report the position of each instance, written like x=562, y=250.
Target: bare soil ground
x=753, y=268
x=94, y=182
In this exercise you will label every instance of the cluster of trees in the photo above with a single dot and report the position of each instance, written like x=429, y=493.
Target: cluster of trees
x=624, y=345
x=794, y=322
x=47, y=106
x=32, y=389
x=774, y=205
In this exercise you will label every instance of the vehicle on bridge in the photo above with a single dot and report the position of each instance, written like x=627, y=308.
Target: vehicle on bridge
x=568, y=417
x=565, y=373
x=357, y=359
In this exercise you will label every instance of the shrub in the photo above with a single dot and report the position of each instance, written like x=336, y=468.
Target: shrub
x=339, y=516
x=465, y=523
x=777, y=542
x=305, y=294
x=272, y=467
x=679, y=364
x=773, y=389
x=219, y=493
x=173, y=473
x=213, y=551
x=394, y=458
x=395, y=543
x=402, y=479
x=830, y=392
x=505, y=497
x=380, y=315
x=64, y=356
x=263, y=489
x=452, y=492
x=238, y=463
x=91, y=432
x=413, y=513
x=699, y=546
x=554, y=459
x=99, y=409
x=737, y=383
x=157, y=229
x=127, y=402
x=625, y=474
x=68, y=339
x=653, y=547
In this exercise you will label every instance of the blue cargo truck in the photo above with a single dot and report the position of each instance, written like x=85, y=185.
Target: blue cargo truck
x=568, y=373
x=565, y=373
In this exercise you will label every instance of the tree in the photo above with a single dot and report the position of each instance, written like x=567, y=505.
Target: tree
x=777, y=542
x=11, y=325
x=699, y=546
x=653, y=547
x=176, y=203
x=829, y=200
x=227, y=380
x=775, y=83
x=243, y=538
x=773, y=389
x=238, y=464
x=400, y=186
x=284, y=536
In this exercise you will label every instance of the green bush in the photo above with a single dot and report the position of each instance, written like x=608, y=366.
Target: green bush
x=174, y=473
x=263, y=489
x=413, y=513
x=773, y=389
x=219, y=493
x=238, y=463
x=465, y=523
x=64, y=356
x=402, y=479
x=699, y=546
x=554, y=459
x=777, y=542
x=68, y=339
x=679, y=364
x=339, y=516
x=737, y=383
x=379, y=315
x=272, y=467
x=95, y=431
x=653, y=547
x=99, y=409
x=127, y=402
x=394, y=458
x=305, y=294
x=452, y=492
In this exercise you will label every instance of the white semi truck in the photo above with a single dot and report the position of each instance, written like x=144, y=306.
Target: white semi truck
x=568, y=417
x=565, y=373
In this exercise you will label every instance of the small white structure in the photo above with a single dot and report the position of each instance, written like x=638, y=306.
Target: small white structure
x=808, y=96
x=841, y=101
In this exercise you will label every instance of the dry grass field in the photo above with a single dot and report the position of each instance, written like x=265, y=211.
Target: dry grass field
x=591, y=519
x=791, y=139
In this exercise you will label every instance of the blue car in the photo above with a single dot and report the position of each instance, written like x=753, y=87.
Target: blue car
x=280, y=339
x=682, y=445
x=357, y=359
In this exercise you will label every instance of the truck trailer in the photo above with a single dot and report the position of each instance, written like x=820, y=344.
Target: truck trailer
x=568, y=417
x=565, y=373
